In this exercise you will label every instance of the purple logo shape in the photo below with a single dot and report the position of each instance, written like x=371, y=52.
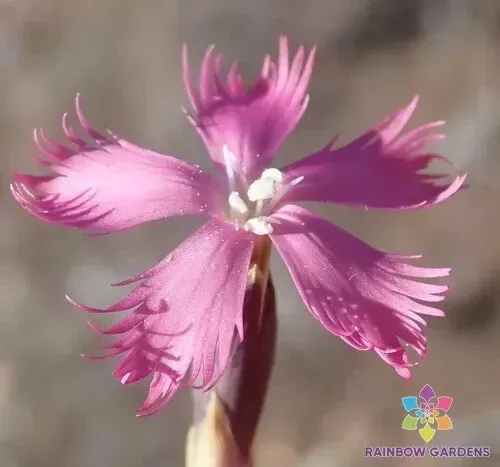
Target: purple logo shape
x=427, y=393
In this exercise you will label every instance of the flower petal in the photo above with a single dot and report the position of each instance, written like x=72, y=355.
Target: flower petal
x=110, y=184
x=187, y=316
x=252, y=122
x=365, y=296
x=377, y=170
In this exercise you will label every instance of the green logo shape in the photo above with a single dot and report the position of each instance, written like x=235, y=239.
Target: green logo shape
x=409, y=423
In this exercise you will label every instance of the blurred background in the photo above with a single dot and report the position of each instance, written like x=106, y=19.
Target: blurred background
x=327, y=401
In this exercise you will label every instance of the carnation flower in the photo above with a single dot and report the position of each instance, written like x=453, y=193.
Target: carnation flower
x=186, y=312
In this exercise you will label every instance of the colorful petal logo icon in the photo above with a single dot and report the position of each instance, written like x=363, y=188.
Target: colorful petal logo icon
x=427, y=413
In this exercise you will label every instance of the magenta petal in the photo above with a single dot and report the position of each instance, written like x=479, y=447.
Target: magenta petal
x=252, y=122
x=367, y=297
x=188, y=313
x=380, y=169
x=444, y=403
x=110, y=184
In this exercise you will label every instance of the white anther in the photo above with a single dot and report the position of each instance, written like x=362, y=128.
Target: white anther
x=258, y=226
x=263, y=188
x=273, y=174
x=237, y=204
x=266, y=186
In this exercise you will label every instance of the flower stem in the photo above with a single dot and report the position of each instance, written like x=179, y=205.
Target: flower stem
x=226, y=419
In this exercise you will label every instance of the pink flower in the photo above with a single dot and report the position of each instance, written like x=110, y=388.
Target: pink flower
x=186, y=312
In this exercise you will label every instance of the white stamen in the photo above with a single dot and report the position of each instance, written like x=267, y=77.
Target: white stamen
x=258, y=226
x=283, y=191
x=259, y=205
x=237, y=204
x=266, y=186
x=262, y=188
x=250, y=212
x=228, y=161
x=273, y=174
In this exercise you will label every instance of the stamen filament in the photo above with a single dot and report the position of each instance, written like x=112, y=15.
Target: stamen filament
x=258, y=207
x=283, y=191
x=228, y=160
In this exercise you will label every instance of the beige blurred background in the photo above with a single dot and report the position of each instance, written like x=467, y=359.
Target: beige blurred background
x=327, y=401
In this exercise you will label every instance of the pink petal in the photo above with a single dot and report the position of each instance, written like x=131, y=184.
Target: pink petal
x=380, y=169
x=187, y=314
x=110, y=184
x=444, y=403
x=252, y=122
x=367, y=297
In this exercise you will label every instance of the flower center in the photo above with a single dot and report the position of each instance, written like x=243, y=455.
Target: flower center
x=250, y=211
